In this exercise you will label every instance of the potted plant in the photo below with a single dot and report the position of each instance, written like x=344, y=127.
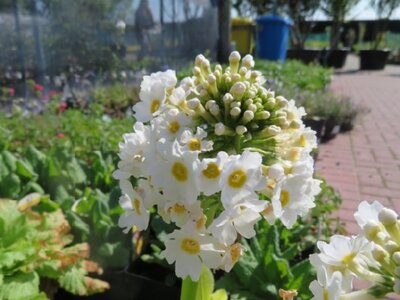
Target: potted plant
x=376, y=58
x=300, y=12
x=337, y=11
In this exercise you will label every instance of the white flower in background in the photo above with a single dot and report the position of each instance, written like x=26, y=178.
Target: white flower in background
x=132, y=152
x=352, y=256
x=326, y=288
x=190, y=250
x=238, y=219
x=29, y=201
x=181, y=212
x=293, y=197
x=208, y=172
x=171, y=124
x=167, y=79
x=195, y=142
x=240, y=178
x=175, y=175
x=152, y=102
x=120, y=25
x=367, y=213
x=231, y=256
x=178, y=97
x=136, y=213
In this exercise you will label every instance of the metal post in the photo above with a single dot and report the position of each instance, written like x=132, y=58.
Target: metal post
x=20, y=48
x=224, y=30
x=38, y=43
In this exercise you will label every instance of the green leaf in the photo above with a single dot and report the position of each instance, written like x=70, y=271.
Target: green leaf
x=24, y=169
x=73, y=281
x=3, y=168
x=35, y=157
x=32, y=187
x=9, y=160
x=220, y=294
x=10, y=186
x=78, y=224
x=76, y=172
x=200, y=290
x=20, y=286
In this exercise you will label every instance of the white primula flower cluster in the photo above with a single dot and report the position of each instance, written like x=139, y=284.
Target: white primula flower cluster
x=214, y=155
x=373, y=255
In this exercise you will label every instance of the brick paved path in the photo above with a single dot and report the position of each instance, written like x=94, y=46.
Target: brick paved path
x=364, y=164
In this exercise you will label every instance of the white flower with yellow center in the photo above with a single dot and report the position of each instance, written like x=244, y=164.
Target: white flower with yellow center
x=190, y=250
x=167, y=79
x=181, y=212
x=348, y=255
x=238, y=219
x=175, y=174
x=231, y=256
x=178, y=97
x=292, y=197
x=132, y=152
x=171, y=124
x=326, y=288
x=195, y=142
x=136, y=214
x=208, y=173
x=241, y=177
x=152, y=102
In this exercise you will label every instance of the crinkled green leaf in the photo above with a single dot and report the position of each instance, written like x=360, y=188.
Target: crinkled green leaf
x=35, y=157
x=73, y=281
x=20, y=286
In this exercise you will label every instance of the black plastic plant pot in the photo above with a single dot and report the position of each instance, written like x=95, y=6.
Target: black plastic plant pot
x=332, y=128
x=128, y=286
x=305, y=55
x=334, y=58
x=315, y=124
x=373, y=59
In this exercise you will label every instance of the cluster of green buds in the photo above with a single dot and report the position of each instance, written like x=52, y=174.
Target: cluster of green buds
x=235, y=103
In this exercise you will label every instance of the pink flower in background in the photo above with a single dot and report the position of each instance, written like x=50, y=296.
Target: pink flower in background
x=11, y=91
x=37, y=87
x=46, y=98
x=60, y=135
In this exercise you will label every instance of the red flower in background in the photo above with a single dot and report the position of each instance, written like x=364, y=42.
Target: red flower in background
x=60, y=135
x=62, y=107
x=38, y=88
x=11, y=91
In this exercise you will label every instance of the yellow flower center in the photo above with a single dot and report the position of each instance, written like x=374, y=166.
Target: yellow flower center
x=235, y=252
x=212, y=171
x=180, y=171
x=200, y=223
x=155, y=105
x=179, y=209
x=294, y=154
x=190, y=246
x=237, y=179
x=326, y=294
x=174, y=127
x=136, y=205
x=303, y=141
x=194, y=144
x=268, y=209
x=285, y=197
x=348, y=258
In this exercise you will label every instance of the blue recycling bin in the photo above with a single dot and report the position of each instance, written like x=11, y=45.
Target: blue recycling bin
x=272, y=37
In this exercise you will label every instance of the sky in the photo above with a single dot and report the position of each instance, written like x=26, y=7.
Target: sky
x=362, y=11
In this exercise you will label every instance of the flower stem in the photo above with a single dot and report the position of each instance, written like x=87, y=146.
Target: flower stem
x=236, y=143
